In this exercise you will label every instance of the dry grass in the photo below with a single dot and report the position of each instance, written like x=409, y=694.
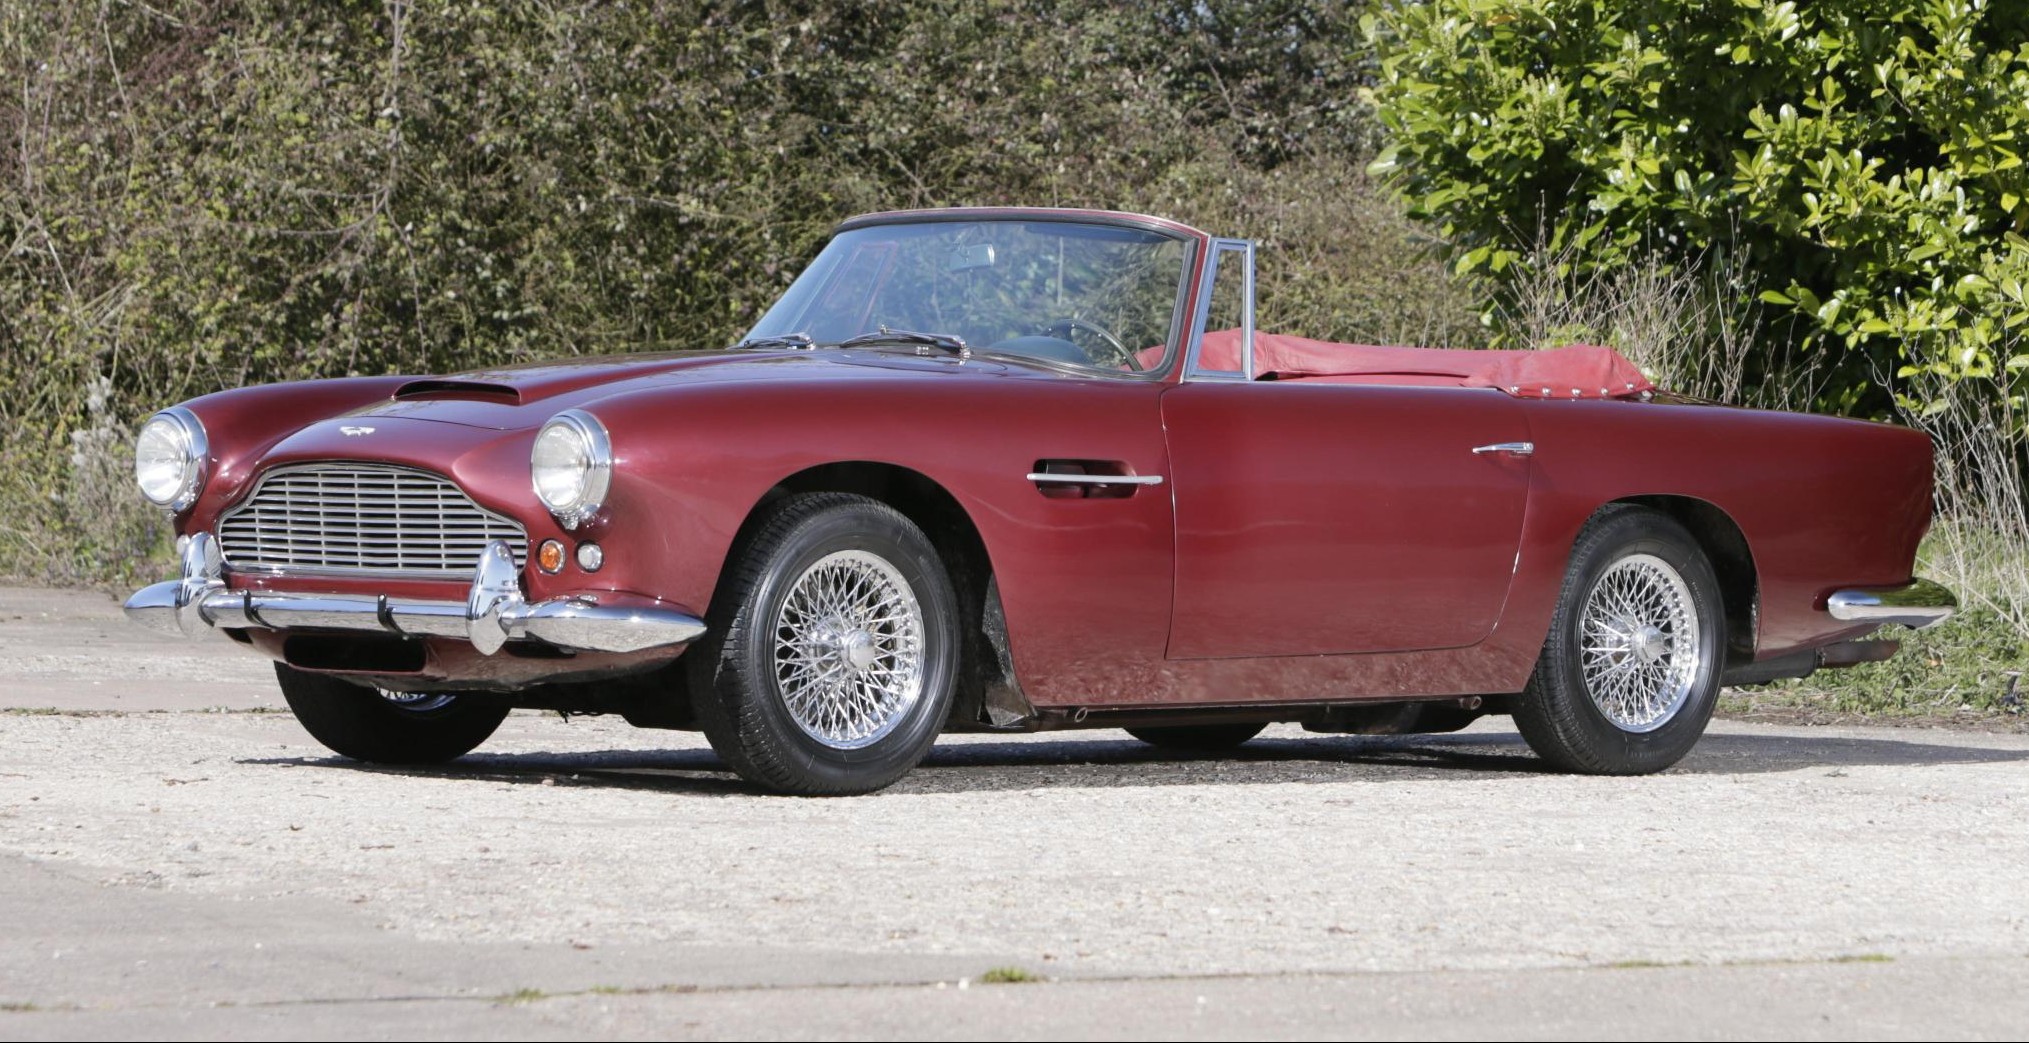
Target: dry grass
x=1979, y=544
x=96, y=528
x=1693, y=328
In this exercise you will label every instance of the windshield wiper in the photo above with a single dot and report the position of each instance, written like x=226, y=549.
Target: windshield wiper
x=886, y=335
x=786, y=340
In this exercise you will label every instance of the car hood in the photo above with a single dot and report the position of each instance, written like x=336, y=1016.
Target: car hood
x=516, y=397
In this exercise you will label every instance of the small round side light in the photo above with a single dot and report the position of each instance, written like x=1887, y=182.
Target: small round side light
x=590, y=557
x=550, y=556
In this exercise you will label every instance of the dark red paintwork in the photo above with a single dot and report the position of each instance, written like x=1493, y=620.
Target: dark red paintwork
x=1314, y=540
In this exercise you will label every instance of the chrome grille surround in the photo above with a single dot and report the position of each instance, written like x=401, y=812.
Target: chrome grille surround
x=362, y=519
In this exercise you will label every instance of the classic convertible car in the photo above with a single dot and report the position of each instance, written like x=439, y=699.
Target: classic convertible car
x=1021, y=469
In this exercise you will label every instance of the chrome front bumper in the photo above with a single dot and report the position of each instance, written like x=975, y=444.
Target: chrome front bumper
x=492, y=614
x=1916, y=604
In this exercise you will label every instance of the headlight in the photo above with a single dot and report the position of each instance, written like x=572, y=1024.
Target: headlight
x=169, y=458
x=571, y=465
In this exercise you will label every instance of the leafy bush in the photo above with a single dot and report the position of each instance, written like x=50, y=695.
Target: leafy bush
x=1781, y=204
x=210, y=193
x=1862, y=158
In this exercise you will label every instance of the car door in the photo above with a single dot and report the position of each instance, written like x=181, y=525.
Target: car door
x=1321, y=518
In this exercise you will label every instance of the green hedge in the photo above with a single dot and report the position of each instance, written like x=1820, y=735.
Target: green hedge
x=1862, y=158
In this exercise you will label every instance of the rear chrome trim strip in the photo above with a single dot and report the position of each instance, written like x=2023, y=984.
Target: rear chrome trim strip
x=1917, y=604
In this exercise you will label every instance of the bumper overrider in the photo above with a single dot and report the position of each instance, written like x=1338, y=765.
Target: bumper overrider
x=1916, y=604
x=492, y=614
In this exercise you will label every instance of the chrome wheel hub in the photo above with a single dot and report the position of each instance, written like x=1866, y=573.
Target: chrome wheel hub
x=1648, y=644
x=849, y=649
x=859, y=651
x=1638, y=644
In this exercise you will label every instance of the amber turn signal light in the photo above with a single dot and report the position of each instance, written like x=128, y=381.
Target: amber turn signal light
x=550, y=556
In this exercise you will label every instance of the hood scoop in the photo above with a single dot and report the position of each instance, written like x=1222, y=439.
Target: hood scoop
x=443, y=387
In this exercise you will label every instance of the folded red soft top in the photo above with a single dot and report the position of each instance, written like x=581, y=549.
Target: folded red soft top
x=1578, y=371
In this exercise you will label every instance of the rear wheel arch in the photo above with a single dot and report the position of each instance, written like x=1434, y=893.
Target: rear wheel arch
x=1725, y=547
x=1630, y=668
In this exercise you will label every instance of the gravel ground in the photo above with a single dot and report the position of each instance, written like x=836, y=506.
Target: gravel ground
x=148, y=779
x=1072, y=855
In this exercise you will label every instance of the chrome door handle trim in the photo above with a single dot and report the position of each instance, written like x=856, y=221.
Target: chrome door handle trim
x=1097, y=479
x=1516, y=448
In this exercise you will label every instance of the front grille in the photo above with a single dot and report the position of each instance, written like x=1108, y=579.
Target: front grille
x=362, y=518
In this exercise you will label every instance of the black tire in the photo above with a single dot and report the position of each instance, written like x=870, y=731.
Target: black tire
x=1558, y=713
x=358, y=722
x=1197, y=738
x=738, y=670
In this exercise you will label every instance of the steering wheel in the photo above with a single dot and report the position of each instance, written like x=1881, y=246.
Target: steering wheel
x=1071, y=324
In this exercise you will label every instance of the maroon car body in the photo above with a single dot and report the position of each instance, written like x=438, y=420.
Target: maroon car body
x=1288, y=549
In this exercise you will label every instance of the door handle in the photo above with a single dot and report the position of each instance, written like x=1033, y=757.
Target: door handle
x=1511, y=448
x=1088, y=479
x=1097, y=479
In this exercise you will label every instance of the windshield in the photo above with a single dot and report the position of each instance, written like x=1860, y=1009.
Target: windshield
x=1084, y=294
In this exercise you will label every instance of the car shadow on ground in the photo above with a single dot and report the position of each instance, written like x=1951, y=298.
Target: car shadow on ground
x=1097, y=760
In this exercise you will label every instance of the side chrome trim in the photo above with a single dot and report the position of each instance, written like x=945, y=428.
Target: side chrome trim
x=492, y=614
x=1917, y=604
x=1512, y=448
x=1097, y=479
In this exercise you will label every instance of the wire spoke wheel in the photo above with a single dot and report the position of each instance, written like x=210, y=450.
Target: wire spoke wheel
x=849, y=649
x=1639, y=643
x=1631, y=665
x=833, y=655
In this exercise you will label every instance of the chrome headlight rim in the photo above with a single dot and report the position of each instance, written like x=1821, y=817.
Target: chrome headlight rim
x=188, y=433
x=595, y=471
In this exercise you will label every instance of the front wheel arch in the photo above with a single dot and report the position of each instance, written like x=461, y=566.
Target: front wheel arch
x=986, y=673
x=779, y=685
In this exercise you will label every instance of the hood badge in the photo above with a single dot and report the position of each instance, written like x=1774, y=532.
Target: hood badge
x=351, y=431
